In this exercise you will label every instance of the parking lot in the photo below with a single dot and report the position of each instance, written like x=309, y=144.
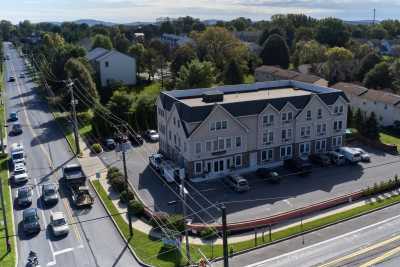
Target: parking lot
x=263, y=199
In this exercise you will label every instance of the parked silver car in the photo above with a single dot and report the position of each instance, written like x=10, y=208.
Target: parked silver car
x=237, y=183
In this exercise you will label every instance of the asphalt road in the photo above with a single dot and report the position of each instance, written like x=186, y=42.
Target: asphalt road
x=93, y=239
x=351, y=243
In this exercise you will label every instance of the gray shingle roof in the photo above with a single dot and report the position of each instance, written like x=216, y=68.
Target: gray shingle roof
x=245, y=108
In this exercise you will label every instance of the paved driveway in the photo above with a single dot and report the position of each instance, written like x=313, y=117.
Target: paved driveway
x=262, y=199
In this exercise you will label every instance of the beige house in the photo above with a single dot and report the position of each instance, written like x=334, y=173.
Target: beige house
x=385, y=105
x=239, y=128
x=272, y=73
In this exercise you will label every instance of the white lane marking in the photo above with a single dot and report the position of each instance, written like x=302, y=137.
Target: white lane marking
x=63, y=251
x=260, y=263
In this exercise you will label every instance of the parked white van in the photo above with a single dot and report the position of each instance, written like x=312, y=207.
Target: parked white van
x=336, y=158
x=351, y=155
x=171, y=172
x=17, y=153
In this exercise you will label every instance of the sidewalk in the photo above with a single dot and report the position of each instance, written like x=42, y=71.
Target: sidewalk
x=93, y=165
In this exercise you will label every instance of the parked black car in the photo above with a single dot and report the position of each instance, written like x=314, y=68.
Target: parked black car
x=136, y=140
x=301, y=166
x=269, y=175
x=320, y=159
x=16, y=129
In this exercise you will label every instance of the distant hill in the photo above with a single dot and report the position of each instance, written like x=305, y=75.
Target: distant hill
x=93, y=22
x=360, y=22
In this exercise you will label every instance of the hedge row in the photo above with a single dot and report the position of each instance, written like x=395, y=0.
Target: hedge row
x=383, y=186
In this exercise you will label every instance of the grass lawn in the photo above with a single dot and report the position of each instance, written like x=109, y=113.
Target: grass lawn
x=387, y=136
x=6, y=259
x=145, y=246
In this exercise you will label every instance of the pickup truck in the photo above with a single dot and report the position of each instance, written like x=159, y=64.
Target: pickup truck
x=75, y=180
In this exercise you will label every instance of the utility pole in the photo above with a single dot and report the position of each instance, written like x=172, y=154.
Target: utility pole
x=183, y=195
x=224, y=236
x=123, y=149
x=74, y=102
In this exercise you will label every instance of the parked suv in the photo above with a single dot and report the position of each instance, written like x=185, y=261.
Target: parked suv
x=237, y=182
x=24, y=196
x=303, y=167
x=151, y=136
x=49, y=193
x=320, y=159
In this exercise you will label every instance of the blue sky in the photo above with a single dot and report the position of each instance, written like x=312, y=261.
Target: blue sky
x=149, y=10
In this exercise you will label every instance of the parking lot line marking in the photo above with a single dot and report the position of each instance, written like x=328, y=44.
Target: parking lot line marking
x=63, y=251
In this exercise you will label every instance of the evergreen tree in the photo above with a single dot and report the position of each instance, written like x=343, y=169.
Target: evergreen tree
x=350, y=118
x=367, y=63
x=275, y=52
x=371, y=127
x=359, y=121
x=233, y=73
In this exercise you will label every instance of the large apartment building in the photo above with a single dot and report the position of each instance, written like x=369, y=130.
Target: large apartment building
x=212, y=132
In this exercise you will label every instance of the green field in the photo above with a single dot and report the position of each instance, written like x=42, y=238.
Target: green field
x=389, y=137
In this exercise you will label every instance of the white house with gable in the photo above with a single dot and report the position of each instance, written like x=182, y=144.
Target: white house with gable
x=112, y=66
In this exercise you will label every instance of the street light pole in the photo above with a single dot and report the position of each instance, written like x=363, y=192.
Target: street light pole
x=75, y=120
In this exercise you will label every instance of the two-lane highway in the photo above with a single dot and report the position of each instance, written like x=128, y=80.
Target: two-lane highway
x=93, y=239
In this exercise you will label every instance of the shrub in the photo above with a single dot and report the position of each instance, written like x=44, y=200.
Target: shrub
x=118, y=184
x=96, y=148
x=208, y=233
x=127, y=195
x=176, y=222
x=135, y=208
x=112, y=172
x=159, y=218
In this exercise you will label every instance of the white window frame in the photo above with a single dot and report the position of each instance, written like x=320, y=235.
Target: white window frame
x=286, y=155
x=319, y=147
x=308, y=115
x=228, y=141
x=212, y=126
x=305, y=148
x=240, y=161
x=335, y=141
x=209, y=146
x=319, y=113
x=224, y=125
x=221, y=144
x=240, y=141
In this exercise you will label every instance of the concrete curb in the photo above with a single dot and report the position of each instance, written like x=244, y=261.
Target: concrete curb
x=119, y=230
x=308, y=231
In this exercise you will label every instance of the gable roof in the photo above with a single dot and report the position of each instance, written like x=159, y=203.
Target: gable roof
x=288, y=74
x=350, y=88
x=95, y=53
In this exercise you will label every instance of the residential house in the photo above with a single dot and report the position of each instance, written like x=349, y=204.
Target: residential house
x=385, y=105
x=273, y=73
x=239, y=128
x=174, y=41
x=112, y=66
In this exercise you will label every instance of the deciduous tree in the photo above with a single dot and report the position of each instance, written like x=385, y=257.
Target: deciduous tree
x=196, y=74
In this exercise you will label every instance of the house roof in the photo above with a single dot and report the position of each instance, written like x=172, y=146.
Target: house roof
x=95, y=53
x=288, y=74
x=350, y=88
x=246, y=107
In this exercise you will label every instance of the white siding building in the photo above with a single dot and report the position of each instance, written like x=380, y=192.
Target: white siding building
x=385, y=105
x=112, y=66
x=213, y=132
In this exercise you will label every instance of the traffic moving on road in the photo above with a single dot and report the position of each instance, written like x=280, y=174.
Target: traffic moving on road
x=46, y=221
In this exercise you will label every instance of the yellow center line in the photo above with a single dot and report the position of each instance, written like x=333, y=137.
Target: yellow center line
x=362, y=251
x=382, y=257
x=68, y=210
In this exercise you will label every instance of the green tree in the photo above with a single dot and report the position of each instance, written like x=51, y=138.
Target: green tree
x=304, y=34
x=367, y=63
x=310, y=52
x=138, y=51
x=332, y=31
x=103, y=41
x=379, y=77
x=350, y=117
x=233, y=73
x=182, y=56
x=122, y=43
x=275, y=52
x=371, y=127
x=196, y=74
x=377, y=32
x=219, y=46
x=359, y=121
x=120, y=103
x=267, y=32
x=339, y=66
x=241, y=23
x=395, y=74
x=75, y=69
